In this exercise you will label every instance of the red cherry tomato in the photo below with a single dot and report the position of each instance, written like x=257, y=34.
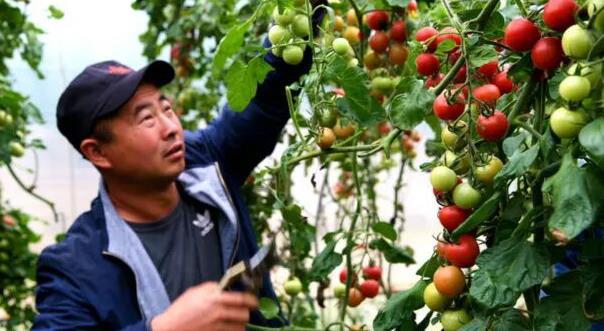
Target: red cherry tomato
x=492, y=128
x=487, y=93
x=449, y=33
x=454, y=56
x=434, y=80
x=427, y=64
x=412, y=6
x=425, y=33
x=521, y=34
x=370, y=288
x=464, y=253
x=372, y=272
x=489, y=70
x=441, y=249
x=559, y=14
x=452, y=216
x=448, y=112
x=379, y=42
x=503, y=82
x=461, y=75
x=547, y=53
x=377, y=20
x=398, y=31
x=343, y=275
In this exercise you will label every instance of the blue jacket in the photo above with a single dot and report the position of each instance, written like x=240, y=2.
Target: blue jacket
x=100, y=276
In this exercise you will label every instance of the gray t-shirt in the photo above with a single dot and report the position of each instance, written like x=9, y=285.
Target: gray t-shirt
x=184, y=246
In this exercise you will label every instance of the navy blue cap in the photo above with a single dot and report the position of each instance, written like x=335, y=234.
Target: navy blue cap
x=101, y=89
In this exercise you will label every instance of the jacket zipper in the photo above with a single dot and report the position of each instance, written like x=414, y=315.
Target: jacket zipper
x=232, y=258
x=107, y=253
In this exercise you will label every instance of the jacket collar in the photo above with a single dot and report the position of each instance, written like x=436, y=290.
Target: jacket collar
x=204, y=184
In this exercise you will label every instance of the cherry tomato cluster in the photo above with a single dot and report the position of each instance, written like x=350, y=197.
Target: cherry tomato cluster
x=331, y=127
x=7, y=122
x=368, y=288
x=564, y=39
x=288, y=33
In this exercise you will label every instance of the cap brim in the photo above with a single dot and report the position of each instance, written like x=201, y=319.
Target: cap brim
x=158, y=73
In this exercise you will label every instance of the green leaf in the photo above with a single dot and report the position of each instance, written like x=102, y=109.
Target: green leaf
x=553, y=84
x=55, y=12
x=325, y=262
x=511, y=319
x=512, y=144
x=268, y=308
x=591, y=138
x=488, y=292
x=515, y=263
x=229, y=45
x=241, y=87
x=393, y=254
x=574, y=208
x=483, y=213
x=258, y=68
x=357, y=104
x=517, y=165
x=475, y=325
x=593, y=291
x=242, y=81
x=562, y=309
x=411, y=104
x=399, y=309
x=428, y=269
x=522, y=69
x=385, y=229
x=446, y=46
x=301, y=234
x=398, y=3
x=481, y=55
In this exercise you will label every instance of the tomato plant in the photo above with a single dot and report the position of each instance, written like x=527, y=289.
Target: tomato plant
x=512, y=93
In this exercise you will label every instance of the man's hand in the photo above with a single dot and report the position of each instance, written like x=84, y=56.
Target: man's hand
x=206, y=307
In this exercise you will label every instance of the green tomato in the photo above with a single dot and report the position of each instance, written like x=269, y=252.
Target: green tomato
x=592, y=72
x=6, y=119
x=466, y=197
x=567, y=123
x=577, y=42
x=382, y=84
x=339, y=290
x=293, y=54
x=592, y=7
x=452, y=140
x=284, y=18
x=341, y=46
x=353, y=62
x=460, y=165
x=300, y=26
x=328, y=118
x=574, y=88
x=278, y=34
x=487, y=172
x=453, y=320
x=443, y=179
x=293, y=286
x=16, y=149
x=434, y=300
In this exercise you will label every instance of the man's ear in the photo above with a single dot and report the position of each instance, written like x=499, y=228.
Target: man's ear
x=94, y=152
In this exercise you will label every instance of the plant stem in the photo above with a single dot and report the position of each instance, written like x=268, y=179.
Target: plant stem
x=523, y=100
x=522, y=8
x=30, y=191
x=527, y=128
x=349, y=237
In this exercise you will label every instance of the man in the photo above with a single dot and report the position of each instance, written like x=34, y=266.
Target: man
x=169, y=218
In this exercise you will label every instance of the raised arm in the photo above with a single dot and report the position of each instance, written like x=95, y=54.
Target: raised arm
x=242, y=140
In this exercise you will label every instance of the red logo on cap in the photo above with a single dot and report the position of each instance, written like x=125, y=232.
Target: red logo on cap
x=118, y=70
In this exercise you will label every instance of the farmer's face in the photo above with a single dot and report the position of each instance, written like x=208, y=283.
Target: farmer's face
x=147, y=139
